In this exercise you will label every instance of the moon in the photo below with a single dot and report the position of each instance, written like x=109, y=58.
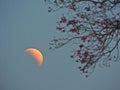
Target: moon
x=36, y=54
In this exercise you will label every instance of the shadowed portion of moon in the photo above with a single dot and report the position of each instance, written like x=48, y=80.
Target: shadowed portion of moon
x=36, y=54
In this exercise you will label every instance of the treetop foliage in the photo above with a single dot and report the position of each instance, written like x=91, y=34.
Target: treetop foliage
x=94, y=26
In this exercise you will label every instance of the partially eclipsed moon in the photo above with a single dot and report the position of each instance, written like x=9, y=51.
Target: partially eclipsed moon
x=36, y=54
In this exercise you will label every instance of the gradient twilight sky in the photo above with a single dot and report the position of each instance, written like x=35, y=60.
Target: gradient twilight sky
x=26, y=23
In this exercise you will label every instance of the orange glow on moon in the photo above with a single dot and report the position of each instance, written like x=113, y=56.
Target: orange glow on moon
x=36, y=54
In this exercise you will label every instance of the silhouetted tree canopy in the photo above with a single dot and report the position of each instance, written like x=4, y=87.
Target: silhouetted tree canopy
x=93, y=26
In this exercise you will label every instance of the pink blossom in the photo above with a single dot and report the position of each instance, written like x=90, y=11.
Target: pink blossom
x=78, y=52
x=93, y=33
x=73, y=30
x=63, y=19
x=71, y=22
x=81, y=45
x=83, y=38
x=85, y=53
x=59, y=28
x=83, y=60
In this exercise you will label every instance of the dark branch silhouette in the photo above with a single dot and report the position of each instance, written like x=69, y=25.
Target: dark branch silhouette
x=93, y=26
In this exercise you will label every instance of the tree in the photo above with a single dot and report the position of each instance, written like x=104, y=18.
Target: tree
x=93, y=26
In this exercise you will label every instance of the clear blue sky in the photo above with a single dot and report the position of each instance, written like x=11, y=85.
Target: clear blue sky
x=26, y=23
